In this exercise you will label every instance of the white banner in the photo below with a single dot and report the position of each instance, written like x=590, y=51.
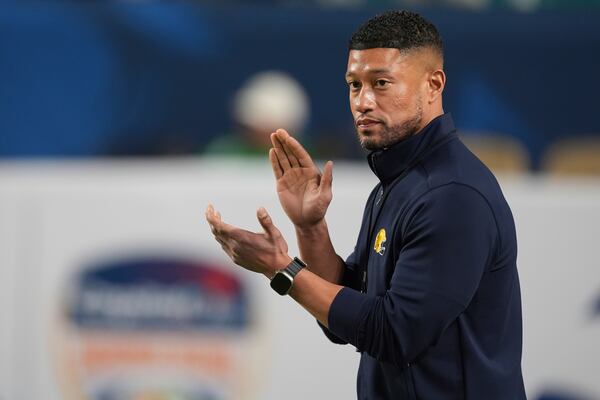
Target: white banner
x=112, y=286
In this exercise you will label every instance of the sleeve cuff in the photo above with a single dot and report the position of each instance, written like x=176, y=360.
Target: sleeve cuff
x=346, y=314
x=330, y=335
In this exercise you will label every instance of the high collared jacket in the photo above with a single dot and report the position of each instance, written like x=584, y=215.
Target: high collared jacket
x=432, y=298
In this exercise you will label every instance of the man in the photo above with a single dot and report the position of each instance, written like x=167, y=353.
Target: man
x=430, y=295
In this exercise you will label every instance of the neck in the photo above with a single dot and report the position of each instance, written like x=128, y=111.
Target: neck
x=434, y=111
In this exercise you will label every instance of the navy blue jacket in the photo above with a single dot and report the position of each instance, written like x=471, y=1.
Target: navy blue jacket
x=436, y=313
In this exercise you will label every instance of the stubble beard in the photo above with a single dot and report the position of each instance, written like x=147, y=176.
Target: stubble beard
x=390, y=135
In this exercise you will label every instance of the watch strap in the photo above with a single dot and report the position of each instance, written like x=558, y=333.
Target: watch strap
x=294, y=267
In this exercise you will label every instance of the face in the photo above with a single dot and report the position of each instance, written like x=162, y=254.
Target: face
x=387, y=89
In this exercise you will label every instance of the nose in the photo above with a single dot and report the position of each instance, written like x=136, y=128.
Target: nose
x=364, y=101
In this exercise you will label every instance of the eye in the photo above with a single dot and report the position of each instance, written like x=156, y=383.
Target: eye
x=354, y=85
x=381, y=83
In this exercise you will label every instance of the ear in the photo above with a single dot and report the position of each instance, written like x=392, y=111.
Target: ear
x=437, y=81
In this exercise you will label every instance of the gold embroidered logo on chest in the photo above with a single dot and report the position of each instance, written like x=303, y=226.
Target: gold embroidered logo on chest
x=380, y=240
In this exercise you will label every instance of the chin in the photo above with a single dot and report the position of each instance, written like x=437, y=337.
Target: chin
x=370, y=145
x=370, y=139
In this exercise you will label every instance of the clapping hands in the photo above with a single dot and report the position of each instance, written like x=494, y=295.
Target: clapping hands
x=304, y=192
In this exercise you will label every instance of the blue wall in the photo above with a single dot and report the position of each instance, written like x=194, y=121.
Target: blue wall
x=100, y=78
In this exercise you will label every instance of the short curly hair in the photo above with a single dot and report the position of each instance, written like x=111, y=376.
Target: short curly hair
x=402, y=30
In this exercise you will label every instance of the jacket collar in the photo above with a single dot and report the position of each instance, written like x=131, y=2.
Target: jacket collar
x=387, y=164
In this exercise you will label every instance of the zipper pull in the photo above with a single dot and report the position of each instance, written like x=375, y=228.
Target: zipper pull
x=379, y=197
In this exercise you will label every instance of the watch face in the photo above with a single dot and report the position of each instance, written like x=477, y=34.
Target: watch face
x=281, y=283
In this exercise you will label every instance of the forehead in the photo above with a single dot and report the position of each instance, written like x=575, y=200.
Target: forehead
x=364, y=61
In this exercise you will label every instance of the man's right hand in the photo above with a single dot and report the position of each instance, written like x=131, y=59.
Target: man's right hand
x=303, y=191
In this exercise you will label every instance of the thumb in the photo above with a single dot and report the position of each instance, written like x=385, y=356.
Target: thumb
x=265, y=221
x=327, y=178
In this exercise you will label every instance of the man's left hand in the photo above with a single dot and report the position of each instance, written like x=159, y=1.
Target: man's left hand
x=265, y=253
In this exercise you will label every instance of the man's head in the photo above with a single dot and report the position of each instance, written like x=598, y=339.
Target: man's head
x=395, y=76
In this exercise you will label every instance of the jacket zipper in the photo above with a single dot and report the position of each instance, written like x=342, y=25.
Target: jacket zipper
x=377, y=200
x=380, y=197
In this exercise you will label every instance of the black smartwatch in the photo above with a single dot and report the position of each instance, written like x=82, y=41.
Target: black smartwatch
x=283, y=280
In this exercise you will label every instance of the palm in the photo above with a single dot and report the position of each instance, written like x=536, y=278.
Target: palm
x=263, y=252
x=300, y=197
x=303, y=191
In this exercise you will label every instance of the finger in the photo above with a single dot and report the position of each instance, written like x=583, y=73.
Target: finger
x=283, y=160
x=327, y=177
x=293, y=160
x=225, y=230
x=292, y=146
x=208, y=214
x=266, y=222
x=277, y=139
x=220, y=240
x=277, y=170
x=211, y=216
x=224, y=244
x=282, y=136
x=275, y=135
x=218, y=227
x=282, y=157
x=216, y=233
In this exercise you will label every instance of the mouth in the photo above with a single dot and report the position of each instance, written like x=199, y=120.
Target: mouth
x=366, y=123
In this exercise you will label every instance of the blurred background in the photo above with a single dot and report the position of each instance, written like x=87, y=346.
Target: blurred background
x=120, y=121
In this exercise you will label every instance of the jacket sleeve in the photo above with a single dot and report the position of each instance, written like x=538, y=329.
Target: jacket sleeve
x=349, y=280
x=448, y=238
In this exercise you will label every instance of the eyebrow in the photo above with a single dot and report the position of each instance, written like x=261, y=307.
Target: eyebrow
x=372, y=71
x=379, y=71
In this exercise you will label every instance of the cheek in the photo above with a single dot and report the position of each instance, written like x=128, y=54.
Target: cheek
x=400, y=102
x=406, y=98
x=400, y=98
x=352, y=103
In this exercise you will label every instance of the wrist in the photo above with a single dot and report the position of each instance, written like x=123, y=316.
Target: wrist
x=283, y=281
x=280, y=264
x=311, y=230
